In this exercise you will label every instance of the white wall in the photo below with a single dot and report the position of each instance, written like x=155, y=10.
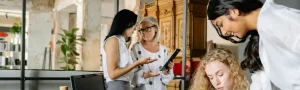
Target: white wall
x=60, y=5
x=39, y=36
x=107, y=9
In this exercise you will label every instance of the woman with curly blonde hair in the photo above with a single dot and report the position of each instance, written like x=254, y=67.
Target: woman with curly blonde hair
x=219, y=70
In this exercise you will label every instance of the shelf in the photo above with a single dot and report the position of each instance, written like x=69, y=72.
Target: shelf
x=35, y=74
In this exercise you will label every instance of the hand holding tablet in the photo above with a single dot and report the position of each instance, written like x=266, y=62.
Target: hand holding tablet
x=166, y=65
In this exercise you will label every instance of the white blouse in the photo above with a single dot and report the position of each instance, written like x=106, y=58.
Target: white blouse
x=279, y=46
x=261, y=82
x=124, y=60
x=152, y=83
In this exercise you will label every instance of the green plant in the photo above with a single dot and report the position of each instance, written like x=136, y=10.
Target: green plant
x=16, y=28
x=4, y=67
x=68, y=47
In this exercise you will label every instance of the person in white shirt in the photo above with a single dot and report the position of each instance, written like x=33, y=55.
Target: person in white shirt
x=149, y=76
x=279, y=34
x=118, y=66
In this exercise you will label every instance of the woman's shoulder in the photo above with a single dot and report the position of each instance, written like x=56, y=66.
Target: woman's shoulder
x=135, y=45
x=112, y=38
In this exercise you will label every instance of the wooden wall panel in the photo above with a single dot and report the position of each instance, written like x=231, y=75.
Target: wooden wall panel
x=167, y=33
x=169, y=13
x=199, y=36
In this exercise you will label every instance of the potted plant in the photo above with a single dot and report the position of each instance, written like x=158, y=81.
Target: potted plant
x=16, y=28
x=68, y=43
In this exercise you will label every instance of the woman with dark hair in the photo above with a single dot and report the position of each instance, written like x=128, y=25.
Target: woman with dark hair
x=279, y=35
x=118, y=66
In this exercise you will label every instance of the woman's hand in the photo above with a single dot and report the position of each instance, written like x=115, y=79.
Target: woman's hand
x=150, y=74
x=145, y=60
x=170, y=66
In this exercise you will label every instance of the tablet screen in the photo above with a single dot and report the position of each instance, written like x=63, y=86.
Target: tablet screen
x=165, y=67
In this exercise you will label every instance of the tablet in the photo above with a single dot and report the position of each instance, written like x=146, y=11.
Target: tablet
x=165, y=67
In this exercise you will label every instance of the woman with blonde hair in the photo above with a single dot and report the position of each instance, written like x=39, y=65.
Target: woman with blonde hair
x=149, y=76
x=219, y=70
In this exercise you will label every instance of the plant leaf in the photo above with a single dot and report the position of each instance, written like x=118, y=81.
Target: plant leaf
x=71, y=67
x=64, y=68
x=61, y=34
x=72, y=62
x=16, y=28
x=64, y=49
x=72, y=39
x=67, y=33
x=65, y=37
x=64, y=40
x=74, y=30
x=62, y=60
x=81, y=39
x=75, y=53
x=59, y=42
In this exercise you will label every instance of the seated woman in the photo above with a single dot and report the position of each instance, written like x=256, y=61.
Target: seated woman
x=219, y=70
x=149, y=76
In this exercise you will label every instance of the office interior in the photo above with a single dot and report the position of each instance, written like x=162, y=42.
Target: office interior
x=33, y=60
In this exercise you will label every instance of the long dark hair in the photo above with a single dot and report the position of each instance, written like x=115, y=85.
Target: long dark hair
x=217, y=8
x=123, y=20
x=252, y=60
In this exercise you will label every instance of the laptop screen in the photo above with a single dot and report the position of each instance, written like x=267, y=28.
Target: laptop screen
x=88, y=82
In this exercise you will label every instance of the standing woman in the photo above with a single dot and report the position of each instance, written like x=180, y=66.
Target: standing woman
x=118, y=66
x=279, y=35
x=149, y=76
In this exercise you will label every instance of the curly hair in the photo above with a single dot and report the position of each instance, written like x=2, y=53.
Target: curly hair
x=201, y=81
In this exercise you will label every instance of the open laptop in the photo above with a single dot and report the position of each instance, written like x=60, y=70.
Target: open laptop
x=88, y=82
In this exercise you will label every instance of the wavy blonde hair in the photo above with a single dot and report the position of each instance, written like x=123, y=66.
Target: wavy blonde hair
x=201, y=81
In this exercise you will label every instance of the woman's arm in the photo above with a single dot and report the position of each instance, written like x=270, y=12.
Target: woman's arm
x=111, y=48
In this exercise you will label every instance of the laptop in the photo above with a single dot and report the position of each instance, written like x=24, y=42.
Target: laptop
x=88, y=82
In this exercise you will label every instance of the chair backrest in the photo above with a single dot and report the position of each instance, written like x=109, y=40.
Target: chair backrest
x=88, y=82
